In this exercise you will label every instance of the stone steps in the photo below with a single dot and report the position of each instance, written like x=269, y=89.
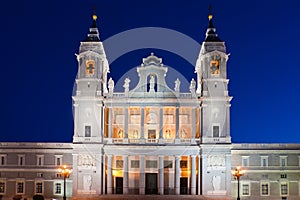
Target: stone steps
x=150, y=197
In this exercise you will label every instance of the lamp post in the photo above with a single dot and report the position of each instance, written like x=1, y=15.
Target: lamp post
x=65, y=171
x=237, y=173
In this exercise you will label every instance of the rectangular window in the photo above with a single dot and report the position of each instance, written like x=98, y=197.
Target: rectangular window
x=39, y=188
x=20, y=187
x=183, y=164
x=245, y=161
x=2, y=187
x=135, y=164
x=58, y=175
x=39, y=175
x=284, y=189
x=40, y=160
x=119, y=164
x=57, y=189
x=21, y=160
x=151, y=164
x=265, y=189
x=216, y=130
x=58, y=160
x=245, y=189
x=2, y=160
x=283, y=175
x=87, y=131
x=283, y=161
x=264, y=161
x=168, y=164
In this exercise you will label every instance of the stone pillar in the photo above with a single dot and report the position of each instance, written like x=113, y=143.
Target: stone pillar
x=177, y=139
x=177, y=175
x=99, y=174
x=76, y=119
x=193, y=175
x=109, y=174
x=142, y=174
x=161, y=119
x=199, y=177
x=109, y=124
x=125, y=140
x=193, y=124
x=125, y=174
x=161, y=175
x=75, y=175
x=142, y=138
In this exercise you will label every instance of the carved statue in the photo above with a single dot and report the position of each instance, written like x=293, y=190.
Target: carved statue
x=87, y=183
x=193, y=86
x=151, y=82
x=177, y=85
x=111, y=86
x=126, y=84
x=216, y=182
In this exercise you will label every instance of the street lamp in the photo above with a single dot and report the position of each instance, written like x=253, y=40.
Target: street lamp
x=237, y=173
x=65, y=172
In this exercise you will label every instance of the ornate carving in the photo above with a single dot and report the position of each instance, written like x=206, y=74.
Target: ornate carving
x=86, y=161
x=216, y=161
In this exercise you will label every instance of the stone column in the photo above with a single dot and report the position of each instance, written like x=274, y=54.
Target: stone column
x=76, y=119
x=99, y=174
x=193, y=175
x=109, y=125
x=75, y=175
x=193, y=124
x=109, y=174
x=161, y=175
x=161, y=119
x=199, y=173
x=126, y=126
x=125, y=174
x=177, y=139
x=177, y=175
x=142, y=174
x=142, y=138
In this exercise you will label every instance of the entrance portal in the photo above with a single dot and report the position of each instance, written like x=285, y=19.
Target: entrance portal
x=151, y=183
x=184, y=185
x=119, y=185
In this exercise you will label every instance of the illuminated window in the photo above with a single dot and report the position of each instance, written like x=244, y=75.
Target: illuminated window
x=2, y=187
x=39, y=187
x=183, y=164
x=20, y=187
x=90, y=67
x=119, y=164
x=264, y=189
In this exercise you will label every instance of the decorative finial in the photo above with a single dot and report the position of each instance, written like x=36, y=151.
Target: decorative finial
x=210, y=16
x=94, y=13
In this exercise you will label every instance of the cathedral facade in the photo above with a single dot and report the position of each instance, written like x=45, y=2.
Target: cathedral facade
x=151, y=139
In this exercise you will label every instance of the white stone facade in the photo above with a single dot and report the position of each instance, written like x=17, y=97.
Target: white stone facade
x=151, y=139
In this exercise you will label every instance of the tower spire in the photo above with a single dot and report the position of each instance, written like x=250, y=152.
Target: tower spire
x=211, y=35
x=93, y=35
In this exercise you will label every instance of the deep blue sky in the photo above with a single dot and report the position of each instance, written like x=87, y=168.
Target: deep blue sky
x=39, y=40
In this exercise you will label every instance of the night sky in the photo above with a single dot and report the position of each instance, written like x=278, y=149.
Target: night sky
x=39, y=40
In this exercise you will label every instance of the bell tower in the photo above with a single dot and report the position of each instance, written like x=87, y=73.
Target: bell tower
x=88, y=112
x=212, y=89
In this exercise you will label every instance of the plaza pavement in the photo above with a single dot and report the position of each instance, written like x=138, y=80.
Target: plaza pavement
x=151, y=197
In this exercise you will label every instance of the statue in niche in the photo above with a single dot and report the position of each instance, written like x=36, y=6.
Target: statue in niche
x=168, y=133
x=87, y=183
x=216, y=183
x=177, y=85
x=120, y=133
x=135, y=134
x=182, y=133
x=126, y=85
x=193, y=87
x=151, y=82
x=151, y=118
x=111, y=86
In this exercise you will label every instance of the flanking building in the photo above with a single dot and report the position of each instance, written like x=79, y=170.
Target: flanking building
x=151, y=139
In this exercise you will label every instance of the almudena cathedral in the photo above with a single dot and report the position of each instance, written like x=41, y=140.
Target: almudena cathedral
x=151, y=138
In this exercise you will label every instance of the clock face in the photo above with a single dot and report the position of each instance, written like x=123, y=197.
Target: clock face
x=214, y=65
x=90, y=67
